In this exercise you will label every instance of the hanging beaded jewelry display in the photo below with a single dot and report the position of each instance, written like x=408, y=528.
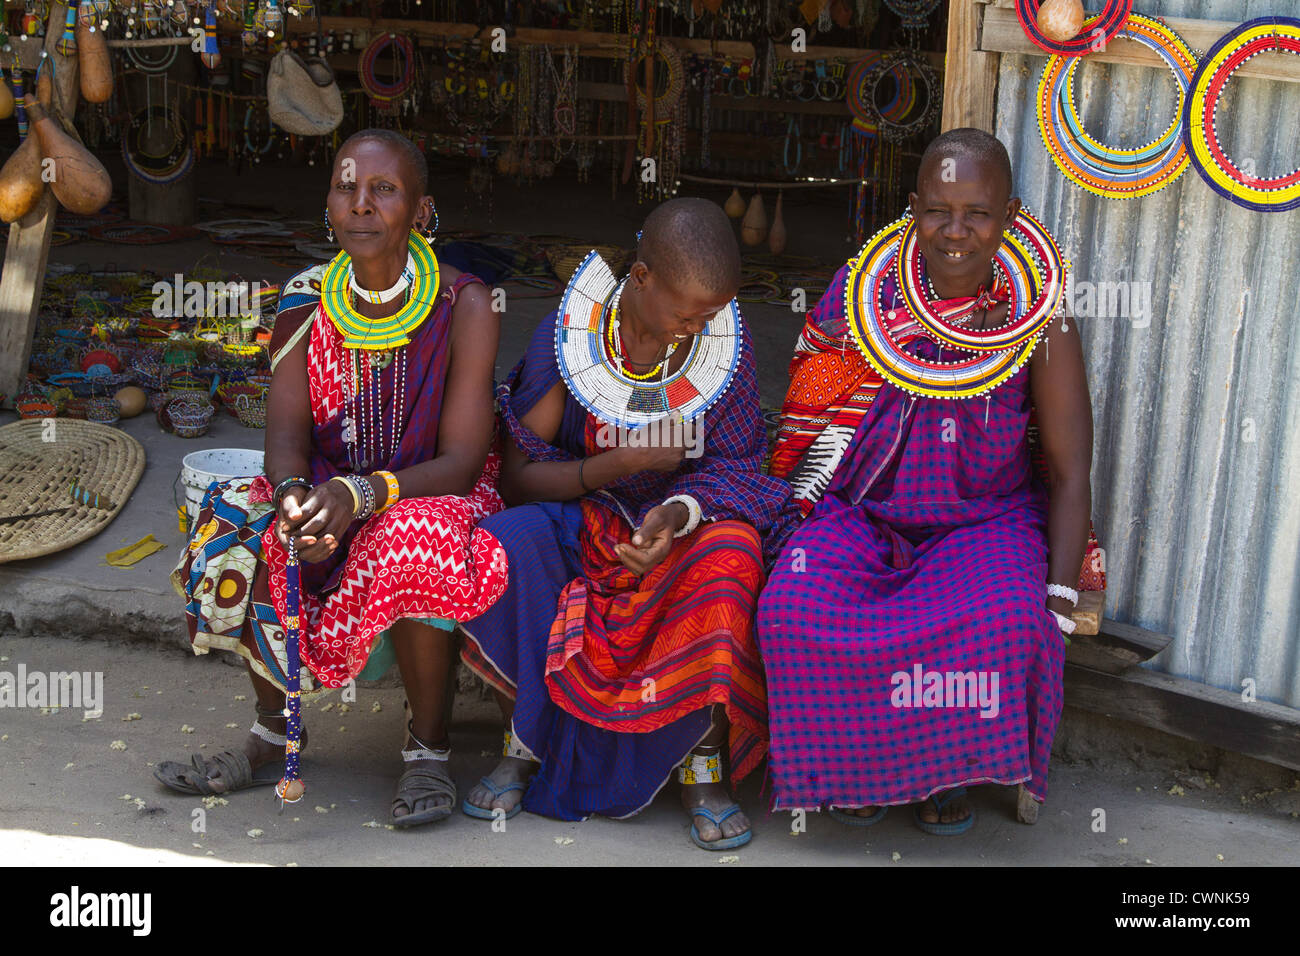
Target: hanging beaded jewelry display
x=868, y=313
x=591, y=364
x=1028, y=266
x=913, y=13
x=387, y=96
x=893, y=120
x=166, y=166
x=1106, y=170
x=290, y=789
x=1200, y=110
x=360, y=332
x=1097, y=30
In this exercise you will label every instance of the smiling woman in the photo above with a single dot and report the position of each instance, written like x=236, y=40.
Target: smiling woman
x=378, y=434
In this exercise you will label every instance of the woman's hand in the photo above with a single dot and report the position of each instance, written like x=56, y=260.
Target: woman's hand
x=317, y=524
x=663, y=447
x=654, y=539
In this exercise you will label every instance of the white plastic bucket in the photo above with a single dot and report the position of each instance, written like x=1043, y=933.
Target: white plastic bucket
x=201, y=468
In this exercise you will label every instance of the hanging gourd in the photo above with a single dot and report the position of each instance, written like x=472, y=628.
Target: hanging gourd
x=776, y=238
x=753, y=228
x=20, y=181
x=78, y=180
x=1060, y=20
x=95, y=65
x=735, y=205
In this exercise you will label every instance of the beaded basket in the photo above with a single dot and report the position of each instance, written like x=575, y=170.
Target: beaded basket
x=189, y=419
x=103, y=411
x=251, y=411
x=35, y=408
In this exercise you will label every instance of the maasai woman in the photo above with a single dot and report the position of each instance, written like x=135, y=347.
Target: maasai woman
x=652, y=553
x=378, y=431
x=912, y=627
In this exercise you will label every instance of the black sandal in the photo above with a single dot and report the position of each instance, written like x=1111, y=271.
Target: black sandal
x=418, y=783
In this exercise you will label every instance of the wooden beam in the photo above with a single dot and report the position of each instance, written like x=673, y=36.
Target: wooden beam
x=1002, y=33
x=970, y=79
x=593, y=43
x=28, y=250
x=1115, y=648
x=1184, y=708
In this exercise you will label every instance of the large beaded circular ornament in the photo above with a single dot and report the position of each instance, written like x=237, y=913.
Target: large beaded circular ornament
x=1097, y=30
x=981, y=372
x=606, y=390
x=360, y=332
x=1110, y=171
x=901, y=118
x=1201, y=107
x=1028, y=259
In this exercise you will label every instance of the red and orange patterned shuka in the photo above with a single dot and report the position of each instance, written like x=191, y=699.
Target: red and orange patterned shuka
x=634, y=654
x=831, y=388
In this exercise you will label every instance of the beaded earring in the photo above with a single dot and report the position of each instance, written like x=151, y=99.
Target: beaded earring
x=329, y=229
x=431, y=231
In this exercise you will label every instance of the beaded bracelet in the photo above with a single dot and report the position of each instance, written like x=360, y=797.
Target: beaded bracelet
x=1061, y=591
x=352, y=490
x=394, y=490
x=366, y=491
x=285, y=485
x=693, y=511
x=1066, y=624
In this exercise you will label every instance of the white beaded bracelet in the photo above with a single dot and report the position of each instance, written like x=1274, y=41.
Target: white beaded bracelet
x=1066, y=624
x=1061, y=591
x=693, y=512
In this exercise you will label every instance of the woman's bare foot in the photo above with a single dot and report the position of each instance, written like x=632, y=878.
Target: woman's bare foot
x=510, y=770
x=955, y=810
x=715, y=798
x=858, y=811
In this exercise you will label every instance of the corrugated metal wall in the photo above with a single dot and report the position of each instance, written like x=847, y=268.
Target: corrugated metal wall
x=1196, y=471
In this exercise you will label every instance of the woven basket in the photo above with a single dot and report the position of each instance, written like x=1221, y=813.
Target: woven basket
x=189, y=419
x=76, y=408
x=39, y=466
x=565, y=259
x=251, y=411
x=35, y=408
x=103, y=411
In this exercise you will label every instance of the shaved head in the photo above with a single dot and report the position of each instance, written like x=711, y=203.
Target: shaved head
x=691, y=240
x=413, y=157
x=972, y=144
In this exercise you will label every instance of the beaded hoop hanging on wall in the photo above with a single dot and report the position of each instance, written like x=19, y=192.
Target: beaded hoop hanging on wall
x=997, y=354
x=1098, y=30
x=165, y=166
x=906, y=69
x=1107, y=170
x=360, y=332
x=1200, y=110
x=602, y=387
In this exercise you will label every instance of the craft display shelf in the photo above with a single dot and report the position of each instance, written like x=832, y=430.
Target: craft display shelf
x=1001, y=33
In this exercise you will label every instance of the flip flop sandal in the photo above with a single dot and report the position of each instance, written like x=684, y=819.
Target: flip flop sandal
x=236, y=772
x=941, y=800
x=853, y=820
x=480, y=813
x=722, y=843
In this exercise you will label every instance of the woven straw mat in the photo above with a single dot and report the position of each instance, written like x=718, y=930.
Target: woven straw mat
x=36, y=475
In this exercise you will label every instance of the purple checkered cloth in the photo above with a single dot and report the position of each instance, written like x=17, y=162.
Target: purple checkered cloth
x=927, y=556
x=726, y=480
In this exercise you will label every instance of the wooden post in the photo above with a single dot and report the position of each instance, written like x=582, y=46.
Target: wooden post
x=970, y=79
x=26, y=254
